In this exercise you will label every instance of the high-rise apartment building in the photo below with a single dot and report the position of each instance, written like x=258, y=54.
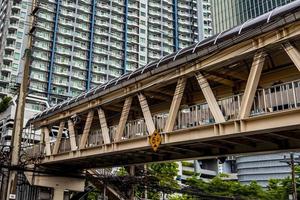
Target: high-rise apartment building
x=79, y=44
x=13, y=29
x=230, y=13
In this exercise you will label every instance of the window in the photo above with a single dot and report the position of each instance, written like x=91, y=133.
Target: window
x=142, y=48
x=17, y=56
x=21, y=25
x=142, y=40
x=143, y=22
x=24, y=5
x=20, y=34
x=143, y=5
x=142, y=58
x=23, y=14
x=143, y=14
x=143, y=31
x=18, y=45
x=15, y=67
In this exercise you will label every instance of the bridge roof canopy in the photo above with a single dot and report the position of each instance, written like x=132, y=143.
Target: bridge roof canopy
x=251, y=28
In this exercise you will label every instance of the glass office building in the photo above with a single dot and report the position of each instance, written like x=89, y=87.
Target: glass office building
x=79, y=44
x=229, y=13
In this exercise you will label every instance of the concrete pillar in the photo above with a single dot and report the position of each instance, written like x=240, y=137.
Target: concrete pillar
x=58, y=194
x=132, y=173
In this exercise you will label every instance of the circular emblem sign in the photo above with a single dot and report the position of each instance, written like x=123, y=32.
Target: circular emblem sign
x=155, y=140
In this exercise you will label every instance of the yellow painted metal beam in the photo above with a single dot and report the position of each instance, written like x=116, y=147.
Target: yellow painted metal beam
x=146, y=113
x=87, y=128
x=210, y=98
x=293, y=53
x=58, y=138
x=104, y=127
x=47, y=141
x=72, y=135
x=178, y=94
x=123, y=119
x=252, y=83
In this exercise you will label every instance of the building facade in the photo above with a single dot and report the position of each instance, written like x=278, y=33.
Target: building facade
x=261, y=168
x=13, y=29
x=230, y=13
x=206, y=169
x=79, y=44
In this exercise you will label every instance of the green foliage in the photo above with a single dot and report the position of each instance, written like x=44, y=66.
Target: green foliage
x=187, y=164
x=277, y=189
x=93, y=196
x=179, y=197
x=4, y=103
x=188, y=173
x=165, y=173
x=122, y=172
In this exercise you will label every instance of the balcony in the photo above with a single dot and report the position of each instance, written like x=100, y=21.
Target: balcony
x=12, y=36
x=8, y=57
x=4, y=79
x=6, y=68
x=10, y=46
x=16, y=7
x=4, y=91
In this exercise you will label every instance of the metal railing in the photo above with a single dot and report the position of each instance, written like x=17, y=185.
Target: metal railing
x=276, y=98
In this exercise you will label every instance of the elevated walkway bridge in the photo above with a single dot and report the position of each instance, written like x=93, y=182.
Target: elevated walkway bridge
x=237, y=92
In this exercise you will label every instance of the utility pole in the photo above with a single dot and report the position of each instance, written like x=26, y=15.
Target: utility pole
x=291, y=162
x=19, y=115
x=294, y=186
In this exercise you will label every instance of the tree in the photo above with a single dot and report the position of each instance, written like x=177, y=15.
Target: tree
x=122, y=172
x=217, y=186
x=165, y=173
x=4, y=103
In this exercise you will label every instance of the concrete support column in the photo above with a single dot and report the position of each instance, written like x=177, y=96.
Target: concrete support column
x=58, y=194
x=132, y=173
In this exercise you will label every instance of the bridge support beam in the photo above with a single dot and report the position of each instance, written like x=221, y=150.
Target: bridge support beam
x=59, y=184
x=103, y=125
x=178, y=94
x=252, y=83
x=147, y=113
x=72, y=135
x=86, y=130
x=47, y=141
x=123, y=119
x=58, y=138
x=210, y=98
x=293, y=53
